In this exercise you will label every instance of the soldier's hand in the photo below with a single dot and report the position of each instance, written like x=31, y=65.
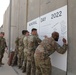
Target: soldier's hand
x=46, y=36
x=64, y=40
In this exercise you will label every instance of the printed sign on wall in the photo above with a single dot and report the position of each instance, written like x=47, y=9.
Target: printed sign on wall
x=33, y=24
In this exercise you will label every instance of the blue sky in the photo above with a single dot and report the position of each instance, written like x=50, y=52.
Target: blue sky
x=3, y=6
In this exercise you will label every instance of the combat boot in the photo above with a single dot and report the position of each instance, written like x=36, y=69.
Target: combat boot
x=24, y=69
x=2, y=63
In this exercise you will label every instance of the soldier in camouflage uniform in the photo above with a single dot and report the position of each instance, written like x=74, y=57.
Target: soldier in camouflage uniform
x=25, y=51
x=33, y=42
x=14, y=61
x=2, y=47
x=21, y=50
x=47, y=47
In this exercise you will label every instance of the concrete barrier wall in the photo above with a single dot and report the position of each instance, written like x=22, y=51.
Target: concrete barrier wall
x=38, y=8
x=6, y=25
x=14, y=22
x=18, y=20
x=22, y=15
x=72, y=37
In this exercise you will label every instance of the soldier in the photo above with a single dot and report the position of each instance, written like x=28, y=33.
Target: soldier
x=21, y=48
x=2, y=47
x=33, y=42
x=25, y=51
x=15, y=58
x=47, y=47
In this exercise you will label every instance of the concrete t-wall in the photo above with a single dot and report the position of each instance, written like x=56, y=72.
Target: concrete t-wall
x=33, y=9
x=6, y=25
x=37, y=8
x=72, y=37
x=21, y=14
x=14, y=22
x=18, y=19
x=41, y=7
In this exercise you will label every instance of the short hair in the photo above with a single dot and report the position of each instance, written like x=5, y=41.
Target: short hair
x=34, y=29
x=24, y=32
x=55, y=34
x=2, y=33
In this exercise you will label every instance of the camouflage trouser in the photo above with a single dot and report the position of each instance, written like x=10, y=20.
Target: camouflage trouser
x=30, y=68
x=20, y=57
x=43, y=67
x=25, y=61
x=1, y=55
x=14, y=61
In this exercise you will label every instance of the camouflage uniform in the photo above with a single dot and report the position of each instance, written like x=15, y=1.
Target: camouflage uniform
x=32, y=45
x=42, y=60
x=20, y=52
x=2, y=48
x=14, y=62
x=25, y=53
